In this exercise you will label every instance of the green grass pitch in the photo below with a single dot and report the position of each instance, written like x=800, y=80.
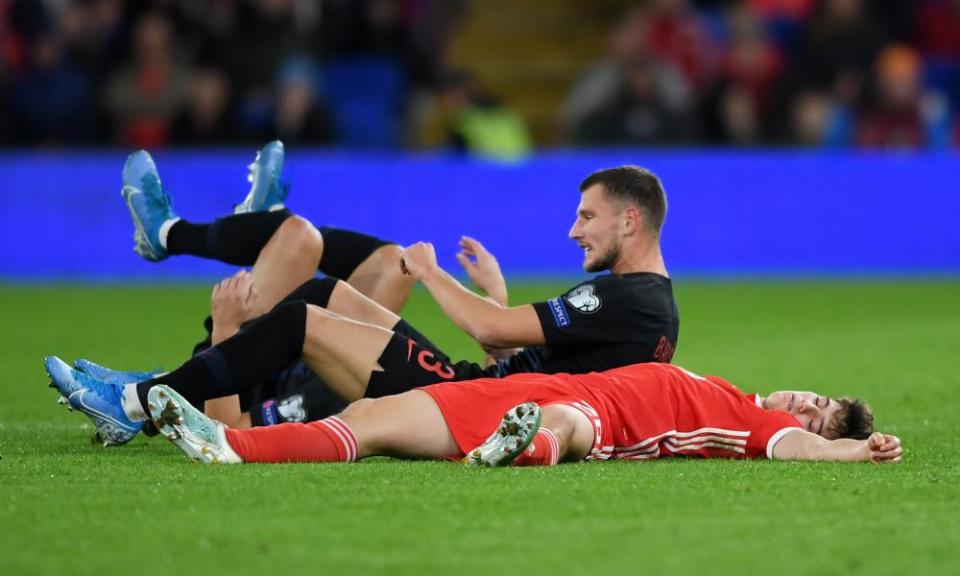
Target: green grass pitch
x=69, y=507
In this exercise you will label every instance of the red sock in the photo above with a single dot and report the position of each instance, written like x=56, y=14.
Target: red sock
x=543, y=451
x=328, y=440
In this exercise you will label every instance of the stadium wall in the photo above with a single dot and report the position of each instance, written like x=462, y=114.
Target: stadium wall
x=731, y=213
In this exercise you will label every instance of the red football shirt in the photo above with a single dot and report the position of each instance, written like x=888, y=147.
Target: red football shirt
x=640, y=411
x=657, y=410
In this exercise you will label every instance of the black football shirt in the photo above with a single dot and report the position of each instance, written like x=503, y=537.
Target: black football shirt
x=606, y=322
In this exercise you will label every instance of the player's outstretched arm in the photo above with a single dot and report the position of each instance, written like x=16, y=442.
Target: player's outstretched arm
x=802, y=445
x=485, y=321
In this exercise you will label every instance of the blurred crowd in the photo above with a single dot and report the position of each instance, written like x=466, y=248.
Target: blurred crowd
x=150, y=73
x=835, y=73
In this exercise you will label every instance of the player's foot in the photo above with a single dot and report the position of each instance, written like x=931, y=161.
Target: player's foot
x=201, y=438
x=516, y=431
x=150, y=207
x=111, y=376
x=266, y=191
x=100, y=401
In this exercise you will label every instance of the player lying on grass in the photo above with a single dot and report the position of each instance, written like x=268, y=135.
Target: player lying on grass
x=284, y=250
x=360, y=350
x=637, y=412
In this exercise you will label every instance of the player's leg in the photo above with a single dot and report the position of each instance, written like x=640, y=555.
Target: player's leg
x=409, y=425
x=286, y=250
x=344, y=299
x=288, y=259
x=293, y=248
x=370, y=265
x=565, y=435
x=346, y=354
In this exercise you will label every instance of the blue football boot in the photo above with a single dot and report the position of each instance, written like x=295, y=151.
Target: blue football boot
x=111, y=376
x=266, y=190
x=150, y=207
x=98, y=400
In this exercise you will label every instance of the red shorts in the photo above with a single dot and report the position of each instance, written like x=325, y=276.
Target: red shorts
x=474, y=408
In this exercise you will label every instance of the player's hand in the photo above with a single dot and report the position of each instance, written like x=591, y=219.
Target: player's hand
x=232, y=302
x=418, y=260
x=884, y=448
x=483, y=269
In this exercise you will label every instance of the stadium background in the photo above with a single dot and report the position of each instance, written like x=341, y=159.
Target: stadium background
x=808, y=149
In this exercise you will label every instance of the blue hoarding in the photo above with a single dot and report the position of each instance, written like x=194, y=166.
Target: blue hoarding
x=731, y=213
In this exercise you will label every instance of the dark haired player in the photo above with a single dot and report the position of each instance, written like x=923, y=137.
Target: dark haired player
x=638, y=412
x=360, y=350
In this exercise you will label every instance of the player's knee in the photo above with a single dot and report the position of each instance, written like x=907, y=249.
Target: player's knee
x=300, y=236
x=572, y=429
x=357, y=409
x=387, y=259
x=384, y=261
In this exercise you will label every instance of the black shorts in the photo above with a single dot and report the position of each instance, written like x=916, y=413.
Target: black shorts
x=409, y=364
x=296, y=394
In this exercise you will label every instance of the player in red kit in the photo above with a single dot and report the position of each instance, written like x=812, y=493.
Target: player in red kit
x=638, y=412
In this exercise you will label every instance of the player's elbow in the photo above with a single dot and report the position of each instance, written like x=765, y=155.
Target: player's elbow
x=491, y=333
x=485, y=334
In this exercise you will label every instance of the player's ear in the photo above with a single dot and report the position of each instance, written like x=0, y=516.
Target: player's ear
x=633, y=220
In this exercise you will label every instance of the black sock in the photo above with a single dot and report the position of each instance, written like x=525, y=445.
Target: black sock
x=236, y=239
x=344, y=250
x=237, y=364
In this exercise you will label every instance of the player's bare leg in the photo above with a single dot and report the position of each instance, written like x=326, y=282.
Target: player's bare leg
x=289, y=259
x=342, y=351
x=381, y=279
x=572, y=429
x=408, y=425
x=346, y=300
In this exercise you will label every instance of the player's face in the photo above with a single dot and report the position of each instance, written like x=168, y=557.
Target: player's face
x=814, y=411
x=596, y=230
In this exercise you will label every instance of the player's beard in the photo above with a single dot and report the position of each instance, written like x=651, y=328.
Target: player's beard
x=606, y=260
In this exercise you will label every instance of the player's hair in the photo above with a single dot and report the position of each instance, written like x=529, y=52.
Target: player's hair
x=635, y=185
x=854, y=419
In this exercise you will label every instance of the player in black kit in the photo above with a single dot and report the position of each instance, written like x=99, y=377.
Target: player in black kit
x=361, y=349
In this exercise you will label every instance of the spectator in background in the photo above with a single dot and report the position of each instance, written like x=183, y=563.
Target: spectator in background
x=50, y=100
x=92, y=32
x=479, y=124
x=899, y=114
x=267, y=35
x=677, y=35
x=207, y=118
x=639, y=112
x=299, y=115
x=145, y=95
x=628, y=97
x=740, y=108
x=841, y=44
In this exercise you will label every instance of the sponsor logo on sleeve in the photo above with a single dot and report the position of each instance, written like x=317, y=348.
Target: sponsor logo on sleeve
x=560, y=315
x=584, y=299
x=269, y=412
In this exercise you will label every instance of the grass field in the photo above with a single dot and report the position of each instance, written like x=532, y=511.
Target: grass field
x=69, y=507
